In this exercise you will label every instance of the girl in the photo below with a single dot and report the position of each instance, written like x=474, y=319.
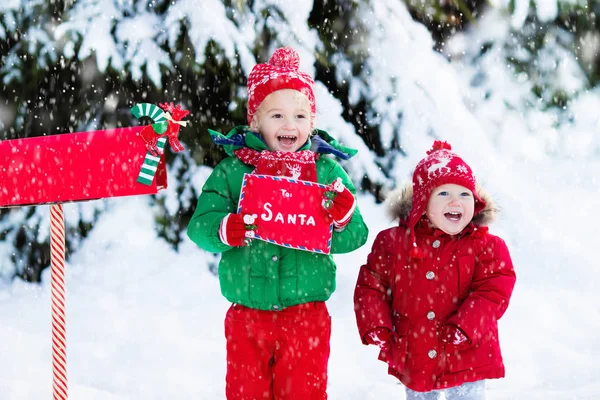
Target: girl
x=434, y=287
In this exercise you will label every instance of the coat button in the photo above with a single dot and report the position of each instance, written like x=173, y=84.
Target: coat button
x=432, y=353
x=430, y=275
x=436, y=244
x=275, y=307
x=430, y=315
x=274, y=258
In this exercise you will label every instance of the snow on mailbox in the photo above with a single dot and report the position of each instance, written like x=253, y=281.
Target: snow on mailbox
x=85, y=166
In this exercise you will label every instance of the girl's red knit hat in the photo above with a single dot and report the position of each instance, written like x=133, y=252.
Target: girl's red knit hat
x=440, y=167
x=281, y=72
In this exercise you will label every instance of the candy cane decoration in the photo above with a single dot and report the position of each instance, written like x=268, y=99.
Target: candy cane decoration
x=148, y=170
x=149, y=110
x=59, y=333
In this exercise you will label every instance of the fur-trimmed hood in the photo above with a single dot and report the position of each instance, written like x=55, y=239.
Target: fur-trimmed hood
x=399, y=203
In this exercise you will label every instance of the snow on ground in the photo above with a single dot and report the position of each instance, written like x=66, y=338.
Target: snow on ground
x=145, y=322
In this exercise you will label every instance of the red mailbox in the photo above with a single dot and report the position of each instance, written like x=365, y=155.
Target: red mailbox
x=74, y=167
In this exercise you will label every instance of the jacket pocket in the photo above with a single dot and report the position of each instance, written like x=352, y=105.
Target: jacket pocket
x=395, y=354
x=470, y=358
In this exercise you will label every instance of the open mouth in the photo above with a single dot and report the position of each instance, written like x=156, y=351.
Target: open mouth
x=287, y=140
x=453, y=216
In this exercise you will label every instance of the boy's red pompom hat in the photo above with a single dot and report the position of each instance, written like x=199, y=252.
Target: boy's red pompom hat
x=281, y=72
x=440, y=167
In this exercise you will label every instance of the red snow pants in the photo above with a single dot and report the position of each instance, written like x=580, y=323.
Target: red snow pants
x=277, y=355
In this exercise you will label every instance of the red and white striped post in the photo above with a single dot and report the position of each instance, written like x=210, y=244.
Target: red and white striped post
x=59, y=333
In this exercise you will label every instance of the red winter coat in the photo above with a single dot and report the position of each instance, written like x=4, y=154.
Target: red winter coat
x=465, y=280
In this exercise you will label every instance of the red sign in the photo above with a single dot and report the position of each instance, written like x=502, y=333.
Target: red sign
x=289, y=212
x=75, y=166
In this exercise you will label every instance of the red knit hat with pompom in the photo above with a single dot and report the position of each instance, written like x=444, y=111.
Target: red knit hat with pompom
x=440, y=167
x=281, y=72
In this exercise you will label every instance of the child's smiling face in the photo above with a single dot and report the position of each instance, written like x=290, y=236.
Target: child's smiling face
x=450, y=208
x=283, y=119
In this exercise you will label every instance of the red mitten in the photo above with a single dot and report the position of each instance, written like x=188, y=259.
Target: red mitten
x=453, y=335
x=379, y=337
x=237, y=229
x=339, y=203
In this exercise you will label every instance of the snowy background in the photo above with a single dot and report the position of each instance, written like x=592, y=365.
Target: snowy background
x=146, y=322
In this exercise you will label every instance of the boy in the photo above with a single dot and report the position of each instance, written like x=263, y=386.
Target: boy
x=278, y=328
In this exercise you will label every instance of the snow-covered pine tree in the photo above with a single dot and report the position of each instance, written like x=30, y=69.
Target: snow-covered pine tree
x=92, y=59
x=42, y=93
x=581, y=18
x=70, y=66
x=536, y=74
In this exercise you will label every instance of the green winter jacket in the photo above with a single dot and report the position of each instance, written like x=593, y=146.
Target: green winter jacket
x=263, y=275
